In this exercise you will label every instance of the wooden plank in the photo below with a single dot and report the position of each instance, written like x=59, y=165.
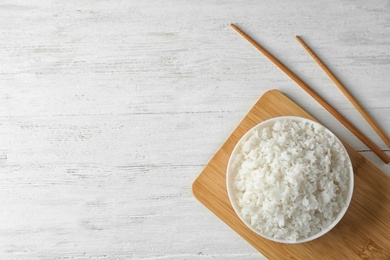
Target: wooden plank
x=362, y=233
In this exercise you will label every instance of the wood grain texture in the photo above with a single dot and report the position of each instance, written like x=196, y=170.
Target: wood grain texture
x=110, y=109
x=361, y=234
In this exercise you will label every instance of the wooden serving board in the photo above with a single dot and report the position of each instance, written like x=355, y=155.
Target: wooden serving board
x=363, y=233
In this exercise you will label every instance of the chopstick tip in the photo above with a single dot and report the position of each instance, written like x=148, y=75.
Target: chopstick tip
x=235, y=28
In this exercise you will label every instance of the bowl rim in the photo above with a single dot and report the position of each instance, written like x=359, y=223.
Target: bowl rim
x=236, y=207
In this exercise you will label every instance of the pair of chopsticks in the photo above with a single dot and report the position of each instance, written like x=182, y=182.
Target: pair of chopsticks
x=326, y=105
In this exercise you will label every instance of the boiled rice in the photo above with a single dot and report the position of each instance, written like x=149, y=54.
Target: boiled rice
x=291, y=179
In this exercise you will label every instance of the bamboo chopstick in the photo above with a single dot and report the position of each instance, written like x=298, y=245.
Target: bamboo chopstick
x=354, y=102
x=320, y=100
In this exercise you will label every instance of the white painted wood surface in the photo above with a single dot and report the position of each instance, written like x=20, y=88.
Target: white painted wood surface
x=110, y=109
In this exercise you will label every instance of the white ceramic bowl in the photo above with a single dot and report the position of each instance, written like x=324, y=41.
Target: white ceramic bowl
x=230, y=175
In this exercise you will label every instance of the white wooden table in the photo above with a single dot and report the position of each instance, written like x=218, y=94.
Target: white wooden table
x=110, y=109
